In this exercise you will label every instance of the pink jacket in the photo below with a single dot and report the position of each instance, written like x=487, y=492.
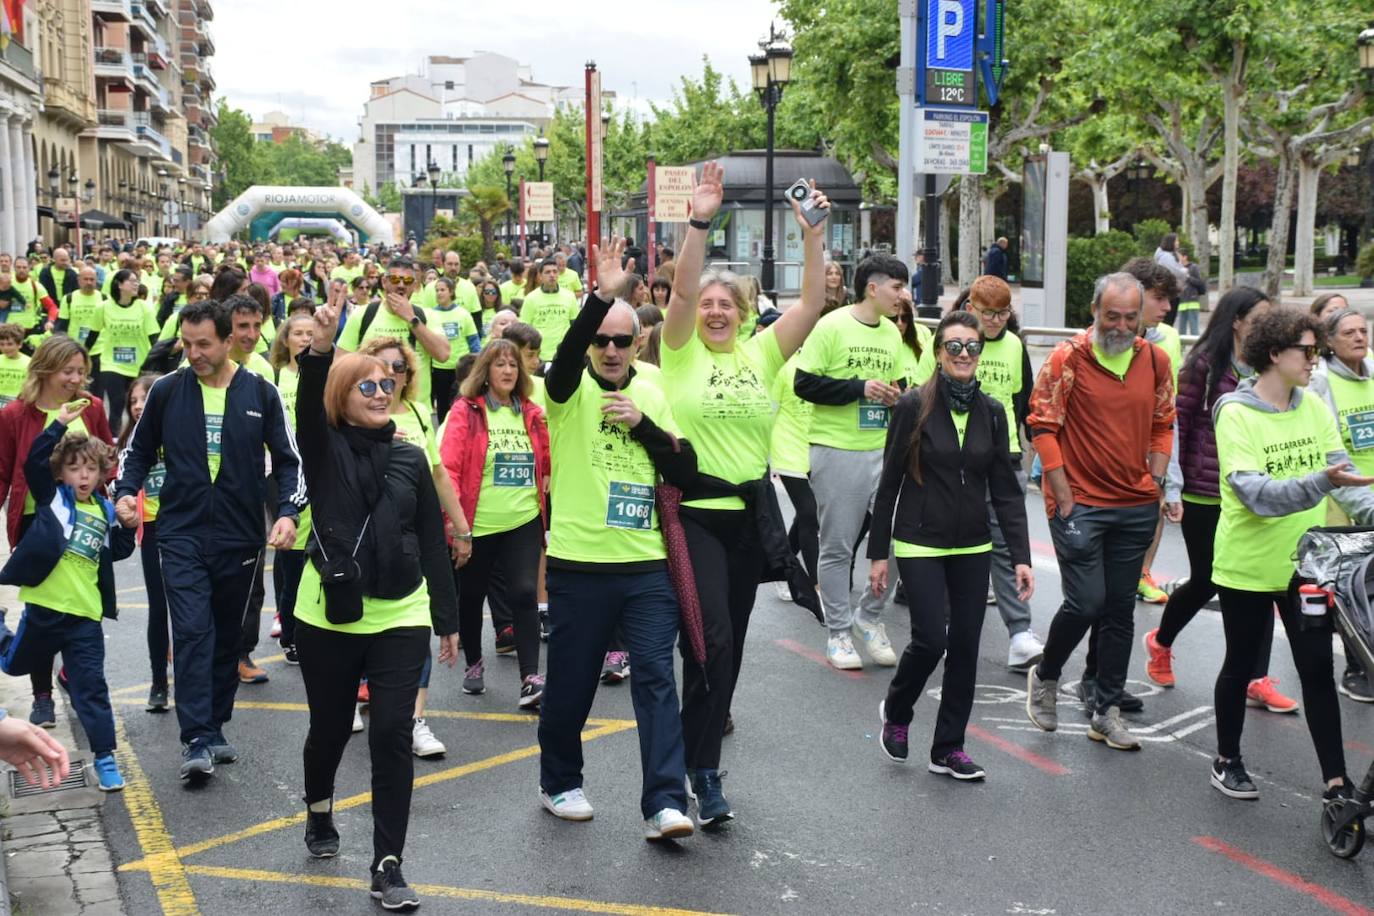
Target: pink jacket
x=464, y=450
x=268, y=278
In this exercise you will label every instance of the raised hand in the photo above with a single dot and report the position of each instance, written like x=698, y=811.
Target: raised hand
x=326, y=322
x=820, y=200
x=710, y=191
x=610, y=276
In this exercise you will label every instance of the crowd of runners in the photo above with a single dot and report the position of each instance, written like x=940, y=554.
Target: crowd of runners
x=594, y=466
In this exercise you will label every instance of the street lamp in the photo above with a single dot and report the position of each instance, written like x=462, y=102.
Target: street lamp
x=181, y=206
x=54, y=180
x=541, y=153
x=418, y=180
x=770, y=72
x=508, y=163
x=434, y=174
x=1365, y=44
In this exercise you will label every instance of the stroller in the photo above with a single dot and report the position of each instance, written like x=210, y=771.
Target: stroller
x=1337, y=565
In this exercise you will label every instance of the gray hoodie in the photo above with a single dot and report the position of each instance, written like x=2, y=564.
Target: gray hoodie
x=1332, y=366
x=1270, y=498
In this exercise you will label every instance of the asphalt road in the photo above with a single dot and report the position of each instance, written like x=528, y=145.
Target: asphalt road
x=825, y=823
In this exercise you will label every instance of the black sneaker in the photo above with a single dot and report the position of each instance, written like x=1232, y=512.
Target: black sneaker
x=391, y=889
x=544, y=624
x=892, y=741
x=1355, y=684
x=197, y=764
x=321, y=839
x=505, y=641
x=1338, y=794
x=957, y=764
x=221, y=751
x=899, y=594
x=1129, y=702
x=1230, y=779
x=157, y=699
x=290, y=654
x=712, y=808
x=1087, y=695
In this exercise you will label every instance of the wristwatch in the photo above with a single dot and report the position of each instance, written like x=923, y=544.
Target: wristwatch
x=1160, y=481
x=414, y=321
x=699, y=223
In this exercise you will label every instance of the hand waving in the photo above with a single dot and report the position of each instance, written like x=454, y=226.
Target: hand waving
x=326, y=321
x=710, y=191
x=610, y=276
x=818, y=199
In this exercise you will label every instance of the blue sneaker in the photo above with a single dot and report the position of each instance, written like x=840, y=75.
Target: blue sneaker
x=44, y=714
x=221, y=751
x=108, y=771
x=712, y=808
x=196, y=762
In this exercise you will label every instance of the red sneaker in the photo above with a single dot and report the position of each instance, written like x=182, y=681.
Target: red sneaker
x=1160, y=665
x=363, y=695
x=1263, y=693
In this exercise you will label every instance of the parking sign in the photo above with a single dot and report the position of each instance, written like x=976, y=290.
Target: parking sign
x=950, y=29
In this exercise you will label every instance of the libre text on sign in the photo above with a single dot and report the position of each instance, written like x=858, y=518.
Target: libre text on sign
x=951, y=142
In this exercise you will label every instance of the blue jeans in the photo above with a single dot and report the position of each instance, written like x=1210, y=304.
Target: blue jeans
x=584, y=609
x=1187, y=321
x=41, y=634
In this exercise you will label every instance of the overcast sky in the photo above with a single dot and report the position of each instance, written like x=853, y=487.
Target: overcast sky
x=315, y=62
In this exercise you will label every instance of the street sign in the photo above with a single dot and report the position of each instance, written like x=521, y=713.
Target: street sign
x=951, y=26
x=594, y=202
x=673, y=188
x=992, y=47
x=539, y=202
x=951, y=141
x=65, y=209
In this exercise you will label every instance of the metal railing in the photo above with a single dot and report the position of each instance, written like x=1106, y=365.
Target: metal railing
x=20, y=58
x=114, y=117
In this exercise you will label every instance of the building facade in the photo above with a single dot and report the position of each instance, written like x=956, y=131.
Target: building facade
x=21, y=100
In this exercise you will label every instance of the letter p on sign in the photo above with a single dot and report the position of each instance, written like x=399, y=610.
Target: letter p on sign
x=949, y=33
x=950, y=24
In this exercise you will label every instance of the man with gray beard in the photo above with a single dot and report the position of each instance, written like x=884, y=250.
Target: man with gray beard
x=1101, y=419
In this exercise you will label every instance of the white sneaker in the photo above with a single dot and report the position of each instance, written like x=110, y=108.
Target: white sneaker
x=668, y=825
x=875, y=643
x=1026, y=650
x=839, y=651
x=423, y=743
x=357, y=718
x=783, y=592
x=571, y=805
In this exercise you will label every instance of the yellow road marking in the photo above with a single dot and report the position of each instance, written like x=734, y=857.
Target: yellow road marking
x=150, y=862
x=164, y=867
x=576, y=904
x=139, y=688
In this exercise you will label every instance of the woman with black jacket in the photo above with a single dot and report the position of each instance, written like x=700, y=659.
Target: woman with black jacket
x=378, y=580
x=947, y=450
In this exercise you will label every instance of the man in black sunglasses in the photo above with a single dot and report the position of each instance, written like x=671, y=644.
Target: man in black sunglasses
x=396, y=317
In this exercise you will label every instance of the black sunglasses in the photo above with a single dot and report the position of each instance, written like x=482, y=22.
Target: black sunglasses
x=369, y=386
x=1308, y=350
x=955, y=347
x=399, y=365
x=621, y=341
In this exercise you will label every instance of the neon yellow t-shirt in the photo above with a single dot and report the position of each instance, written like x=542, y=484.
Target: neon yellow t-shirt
x=378, y=613
x=388, y=324
x=790, y=448
x=22, y=310
x=537, y=394
x=73, y=585
x=512, y=290
x=214, y=399
x=84, y=313
x=999, y=377
x=456, y=324
x=1255, y=553
x=721, y=403
x=288, y=382
x=465, y=296
x=152, y=489
x=605, y=490
x=551, y=314
x=1118, y=364
x=13, y=370
x=1355, y=418
x=843, y=347
x=257, y=364
x=125, y=333
x=1172, y=346
x=570, y=280
x=76, y=426
x=169, y=327
x=413, y=426
x=508, y=498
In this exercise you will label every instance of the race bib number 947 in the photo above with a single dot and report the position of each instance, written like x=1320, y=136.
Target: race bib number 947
x=872, y=414
x=630, y=505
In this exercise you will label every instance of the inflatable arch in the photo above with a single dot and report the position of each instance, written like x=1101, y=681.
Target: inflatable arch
x=290, y=201
x=328, y=224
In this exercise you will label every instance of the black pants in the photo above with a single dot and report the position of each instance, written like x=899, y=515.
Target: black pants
x=40, y=671
x=948, y=601
x=159, y=636
x=252, y=618
x=804, y=534
x=727, y=563
x=115, y=391
x=441, y=390
x=287, y=567
x=1243, y=614
x=516, y=554
x=331, y=665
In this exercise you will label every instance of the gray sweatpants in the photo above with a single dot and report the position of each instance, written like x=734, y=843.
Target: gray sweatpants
x=1016, y=614
x=844, y=483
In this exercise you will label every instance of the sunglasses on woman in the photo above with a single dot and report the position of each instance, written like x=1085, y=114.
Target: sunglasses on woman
x=399, y=365
x=489, y=291
x=1310, y=351
x=369, y=386
x=955, y=347
x=621, y=341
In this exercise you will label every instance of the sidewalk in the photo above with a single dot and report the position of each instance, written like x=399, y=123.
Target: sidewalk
x=54, y=858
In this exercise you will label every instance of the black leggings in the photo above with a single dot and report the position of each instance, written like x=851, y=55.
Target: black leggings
x=949, y=602
x=727, y=564
x=441, y=390
x=331, y=665
x=159, y=636
x=1199, y=537
x=115, y=390
x=516, y=554
x=287, y=567
x=804, y=535
x=1243, y=614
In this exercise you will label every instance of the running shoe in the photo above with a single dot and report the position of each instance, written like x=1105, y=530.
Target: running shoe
x=1108, y=728
x=390, y=889
x=250, y=673
x=892, y=740
x=505, y=640
x=221, y=751
x=291, y=655
x=422, y=741
x=107, y=771
x=1087, y=694
x=957, y=764
x=712, y=808
x=1042, y=701
x=839, y=651
x=357, y=718
x=1173, y=585
x=43, y=714
x=729, y=725
x=899, y=594
x=668, y=825
x=1263, y=693
x=531, y=690
x=363, y=696
x=1025, y=650
x=1355, y=684
x=992, y=598
x=1159, y=666
x=473, y=684
x=1230, y=779
x=571, y=805
x=196, y=762
x=615, y=668
x=321, y=836
x=783, y=592
x=875, y=642
x=157, y=699
x=276, y=626
x=1146, y=590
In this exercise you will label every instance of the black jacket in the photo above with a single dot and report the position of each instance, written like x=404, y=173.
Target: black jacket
x=69, y=282
x=995, y=262
x=948, y=508
x=405, y=540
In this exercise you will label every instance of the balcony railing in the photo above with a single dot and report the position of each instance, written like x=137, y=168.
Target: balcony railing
x=113, y=62
x=20, y=58
x=117, y=10
x=142, y=18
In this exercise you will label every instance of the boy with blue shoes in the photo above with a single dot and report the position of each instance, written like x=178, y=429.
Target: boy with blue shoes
x=64, y=566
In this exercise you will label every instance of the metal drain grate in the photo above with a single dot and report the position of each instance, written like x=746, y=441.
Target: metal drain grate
x=76, y=779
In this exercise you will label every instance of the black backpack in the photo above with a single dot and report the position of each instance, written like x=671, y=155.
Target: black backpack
x=370, y=313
